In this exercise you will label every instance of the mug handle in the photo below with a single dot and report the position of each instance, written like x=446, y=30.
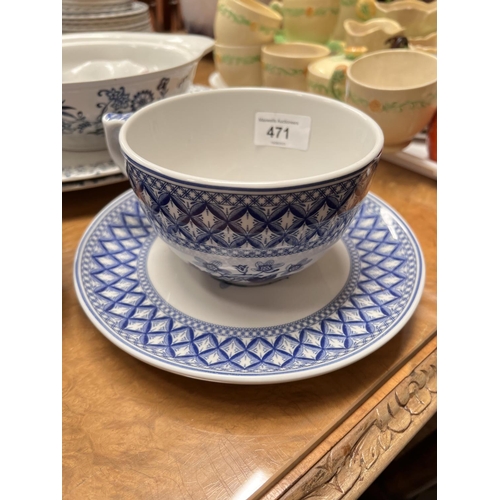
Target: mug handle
x=112, y=123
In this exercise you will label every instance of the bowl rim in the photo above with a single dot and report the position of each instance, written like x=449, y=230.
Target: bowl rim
x=302, y=182
x=193, y=46
x=383, y=53
x=319, y=50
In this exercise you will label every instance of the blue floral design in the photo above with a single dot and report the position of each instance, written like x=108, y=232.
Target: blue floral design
x=295, y=267
x=267, y=267
x=163, y=86
x=116, y=100
x=213, y=267
x=263, y=271
x=73, y=120
x=141, y=99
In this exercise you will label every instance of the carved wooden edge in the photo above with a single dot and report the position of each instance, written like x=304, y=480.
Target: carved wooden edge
x=356, y=460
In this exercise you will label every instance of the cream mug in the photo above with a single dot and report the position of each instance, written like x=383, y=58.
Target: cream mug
x=398, y=89
x=238, y=66
x=245, y=22
x=285, y=65
x=308, y=20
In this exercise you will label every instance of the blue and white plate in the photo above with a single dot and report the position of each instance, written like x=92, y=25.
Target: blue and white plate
x=169, y=314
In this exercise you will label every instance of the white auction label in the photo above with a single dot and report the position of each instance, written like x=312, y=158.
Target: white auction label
x=283, y=131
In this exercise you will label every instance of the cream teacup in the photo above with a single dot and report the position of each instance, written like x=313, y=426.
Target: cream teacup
x=239, y=66
x=308, y=20
x=285, y=65
x=245, y=22
x=398, y=89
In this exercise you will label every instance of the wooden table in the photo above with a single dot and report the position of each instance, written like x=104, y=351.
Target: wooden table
x=132, y=431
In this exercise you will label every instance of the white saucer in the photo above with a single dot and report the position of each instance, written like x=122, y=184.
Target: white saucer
x=216, y=82
x=168, y=314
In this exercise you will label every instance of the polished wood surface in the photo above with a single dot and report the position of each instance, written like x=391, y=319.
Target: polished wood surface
x=131, y=431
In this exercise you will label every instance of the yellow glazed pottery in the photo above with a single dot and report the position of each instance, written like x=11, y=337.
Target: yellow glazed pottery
x=398, y=89
x=371, y=34
x=238, y=66
x=285, y=65
x=245, y=22
x=308, y=20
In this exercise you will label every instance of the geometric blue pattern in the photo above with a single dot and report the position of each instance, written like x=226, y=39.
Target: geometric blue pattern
x=385, y=283
x=249, y=236
x=263, y=225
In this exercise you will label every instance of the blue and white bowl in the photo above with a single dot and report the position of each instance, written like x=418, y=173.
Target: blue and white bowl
x=247, y=214
x=121, y=72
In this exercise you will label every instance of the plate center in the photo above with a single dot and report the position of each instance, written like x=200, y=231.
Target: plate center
x=200, y=296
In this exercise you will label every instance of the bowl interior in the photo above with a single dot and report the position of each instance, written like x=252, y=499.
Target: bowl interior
x=103, y=60
x=394, y=70
x=210, y=136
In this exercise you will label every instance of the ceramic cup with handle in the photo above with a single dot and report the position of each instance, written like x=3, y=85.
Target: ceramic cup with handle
x=398, y=89
x=285, y=65
x=234, y=202
x=308, y=20
x=245, y=22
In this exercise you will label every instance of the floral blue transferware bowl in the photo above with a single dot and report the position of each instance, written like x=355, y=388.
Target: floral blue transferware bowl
x=230, y=197
x=120, y=72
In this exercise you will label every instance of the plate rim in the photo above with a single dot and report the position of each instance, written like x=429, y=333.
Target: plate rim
x=251, y=379
x=68, y=187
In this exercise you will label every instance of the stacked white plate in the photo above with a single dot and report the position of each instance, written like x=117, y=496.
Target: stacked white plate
x=105, y=15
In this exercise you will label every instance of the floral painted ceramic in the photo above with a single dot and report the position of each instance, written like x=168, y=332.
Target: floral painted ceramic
x=398, y=89
x=309, y=21
x=121, y=72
